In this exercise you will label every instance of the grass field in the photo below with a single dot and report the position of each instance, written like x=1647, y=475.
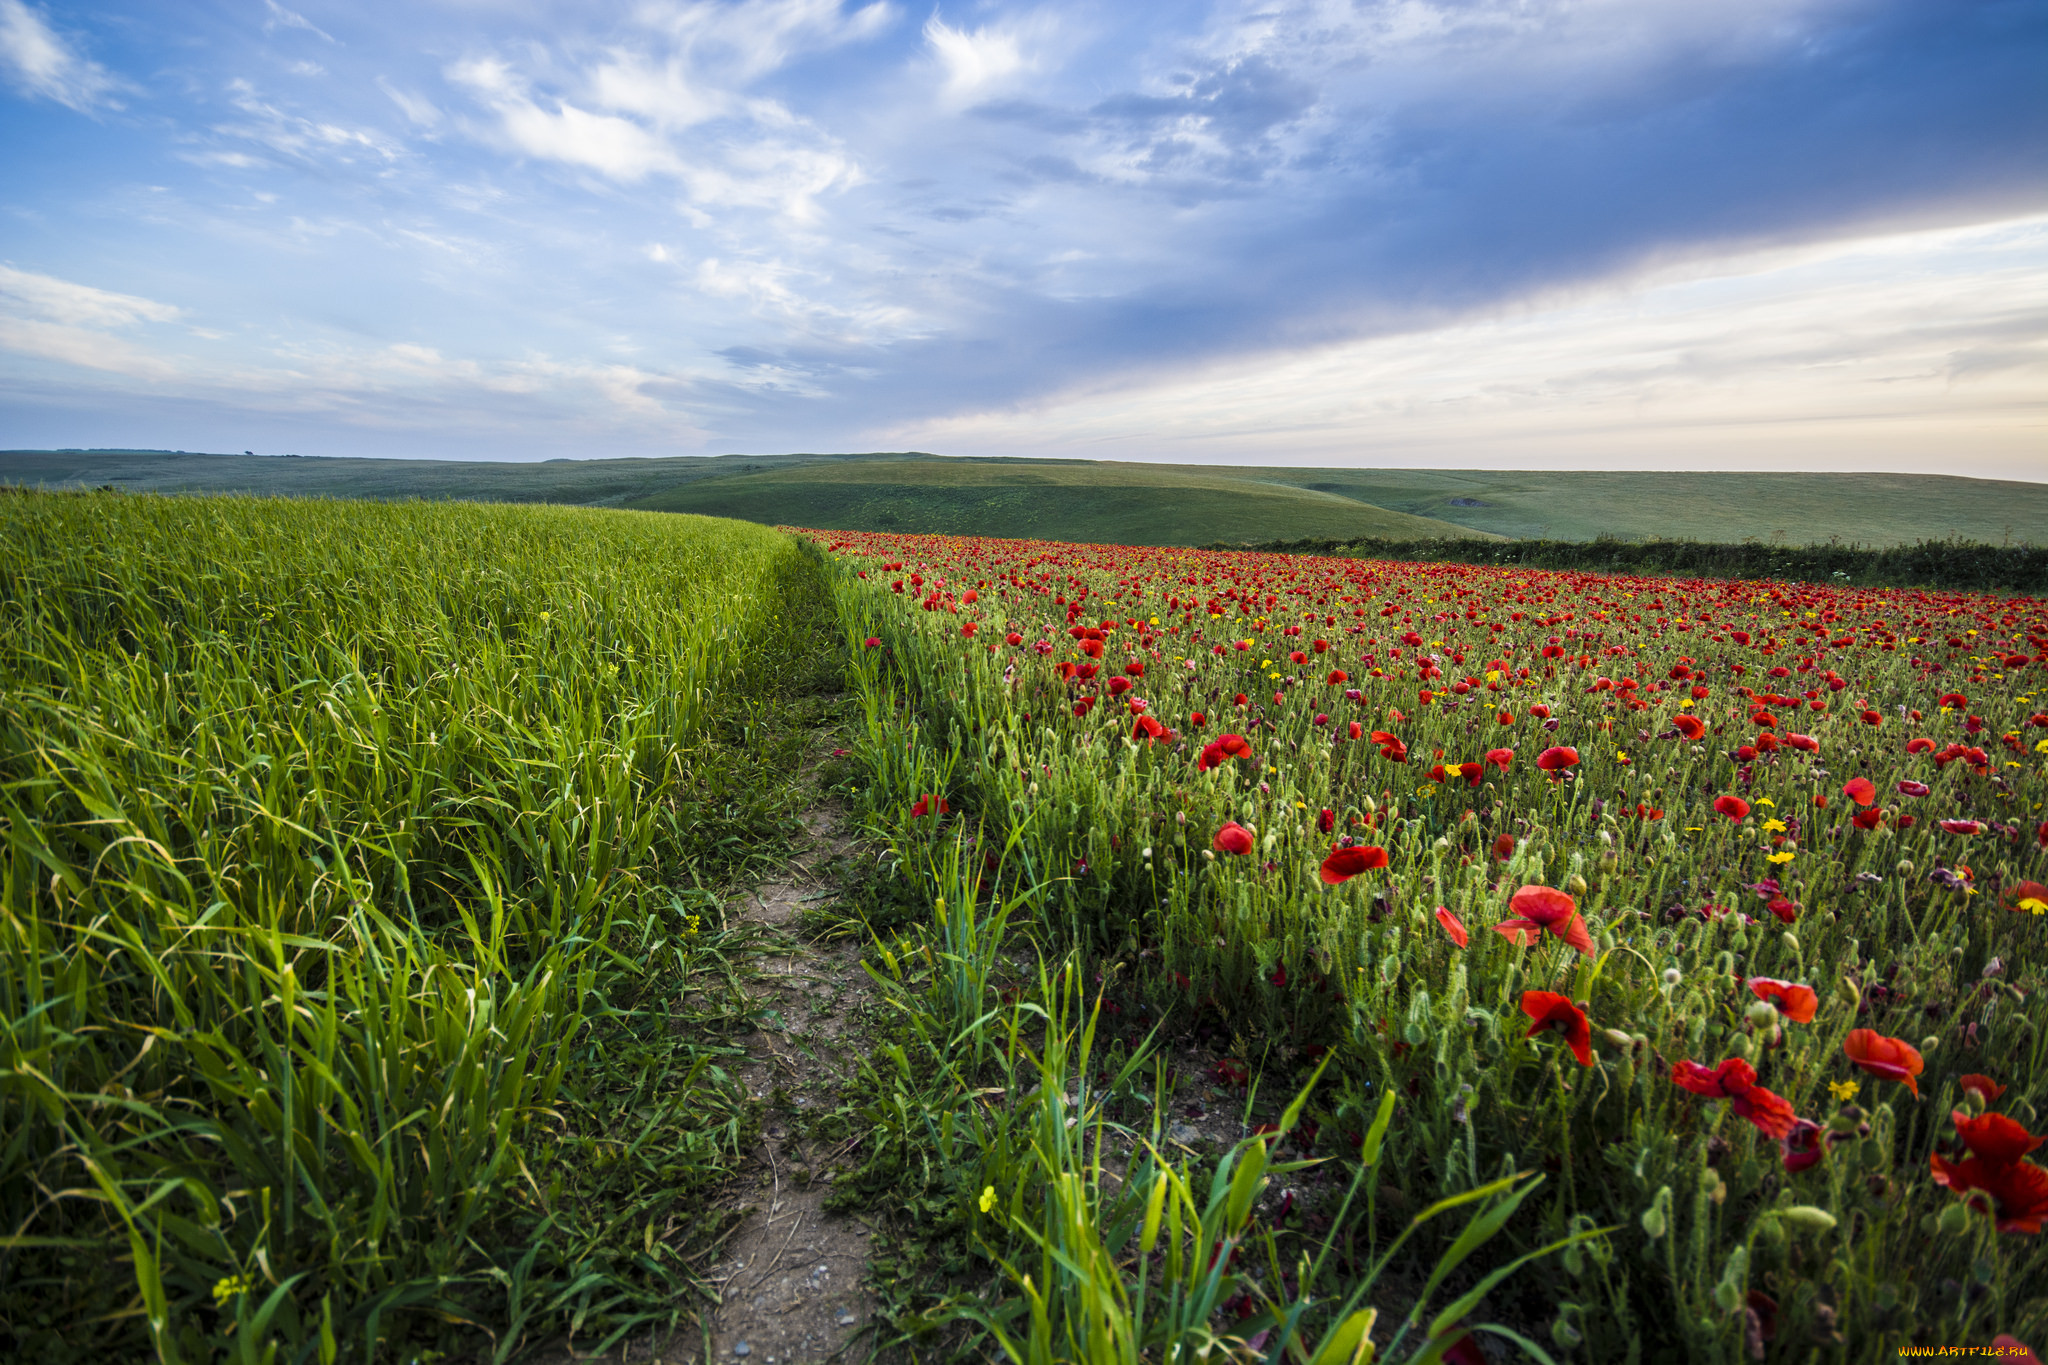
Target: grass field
x=1138, y=504
x=354, y=881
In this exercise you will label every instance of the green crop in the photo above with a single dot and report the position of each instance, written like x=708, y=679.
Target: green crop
x=345, y=848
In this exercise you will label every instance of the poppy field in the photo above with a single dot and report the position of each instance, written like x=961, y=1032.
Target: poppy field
x=1706, y=916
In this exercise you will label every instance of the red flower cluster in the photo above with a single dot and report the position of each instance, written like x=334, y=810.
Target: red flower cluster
x=1544, y=909
x=1996, y=1174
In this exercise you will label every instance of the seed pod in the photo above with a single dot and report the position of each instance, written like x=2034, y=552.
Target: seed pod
x=1807, y=1218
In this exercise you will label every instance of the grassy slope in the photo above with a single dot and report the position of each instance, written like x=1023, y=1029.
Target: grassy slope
x=1089, y=501
x=1103, y=503
x=1796, y=509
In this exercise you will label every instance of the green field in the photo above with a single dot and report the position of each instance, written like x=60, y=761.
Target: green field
x=1103, y=502
x=353, y=879
x=1117, y=504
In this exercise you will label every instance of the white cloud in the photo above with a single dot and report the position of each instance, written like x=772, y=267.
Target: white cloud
x=296, y=136
x=40, y=63
x=976, y=64
x=280, y=17
x=743, y=42
x=46, y=296
x=615, y=147
x=55, y=319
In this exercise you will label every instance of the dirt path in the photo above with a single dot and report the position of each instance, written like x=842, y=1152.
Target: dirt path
x=790, y=1279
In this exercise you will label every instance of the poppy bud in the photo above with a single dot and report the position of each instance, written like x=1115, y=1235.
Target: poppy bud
x=1807, y=1218
x=1575, y=884
x=1762, y=1013
x=1905, y=868
x=1672, y=976
x=1791, y=941
x=1846, y=989
x=1654, y=1221
x=1619, y=1039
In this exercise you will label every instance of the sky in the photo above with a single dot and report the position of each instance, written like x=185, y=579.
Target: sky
x=1751, y=234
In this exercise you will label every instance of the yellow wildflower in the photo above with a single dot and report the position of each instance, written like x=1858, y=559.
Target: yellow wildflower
x=1843, y=1090
x=988, y=1198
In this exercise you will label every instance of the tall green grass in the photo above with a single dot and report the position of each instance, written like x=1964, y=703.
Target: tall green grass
x=353, y=870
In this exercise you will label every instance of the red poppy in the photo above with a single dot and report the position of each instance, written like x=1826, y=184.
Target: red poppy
x=1734, y=1080
x=1801, y=1147
x=1911, y=788
x=1337, y=677
x=1785, y=908
x=2025, y=896
x=1558, y=758
x=1688, y=726
x=1540, y=711
x=1553, y=1011
x=1503, y=847
x=1327, y=821
x=1860, y=790
x=925, y=805
x=1892, y=1059
x=2017, y=1190
x=1148, y=728
x=1222, y=747
x=1962, y=826
x=1872, y=718
x=1794, y=1001
x=1345, y=863
x=1920, y=744
x=1806, y=744
x=1453, y=926
x=1233, y=838
x=1994, y=1137
x=1734, y=807
x=1500, y=758
x=1867, y=819
x=1541, y=908
x=2012, y=1350
x=1987, y=1089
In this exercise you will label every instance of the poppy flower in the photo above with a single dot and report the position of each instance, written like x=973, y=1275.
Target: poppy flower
x=1218, y=749
x=1867, y=819
x=1734, y=1080
x=926, y=804
x=1338, y=677
x=1994, y=1137
x=1911, y=788
x=1688, y=726
x=1553, y=1011
x=1893, y=1059
x=1962, y=826
x=873, y=642
x=1148, y=728
x=1233, y=838
x=2027, y=896
x=1734, y=807
x=1794, y=1001
x=1860, y=790
x=1391, y=749
x=1541, y=908
x=2011, y=1348
x=1326, y=821
x=1558, y=758
x=1500, y=758
x=1453, y=926
x=2017, y=1190
x=1785, y=908
x=1920, y=744
x=1806, y=744
x=1503, y=847
x=1345, y=863
x=1872, y=718
x=1987, y=1089
x=1801, y=1147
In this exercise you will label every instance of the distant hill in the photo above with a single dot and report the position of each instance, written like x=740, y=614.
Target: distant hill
x=1125, y=504
x=1133, y=503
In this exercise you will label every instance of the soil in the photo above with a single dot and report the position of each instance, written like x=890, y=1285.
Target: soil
x=791, y=1277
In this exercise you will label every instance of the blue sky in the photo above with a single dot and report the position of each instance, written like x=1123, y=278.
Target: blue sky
x=1602, y=233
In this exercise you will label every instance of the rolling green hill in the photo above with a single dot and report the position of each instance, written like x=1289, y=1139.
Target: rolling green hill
x=1134, y=503
x=1053, y=500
